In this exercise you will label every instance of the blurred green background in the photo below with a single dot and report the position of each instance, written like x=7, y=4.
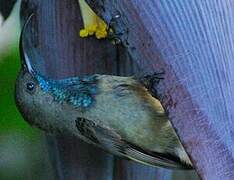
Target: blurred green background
x=23, y=150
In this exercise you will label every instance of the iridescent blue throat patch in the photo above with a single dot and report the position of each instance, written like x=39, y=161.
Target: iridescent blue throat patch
x=76, y=91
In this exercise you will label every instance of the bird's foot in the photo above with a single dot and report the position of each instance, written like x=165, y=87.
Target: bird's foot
x=151, y=79
x=156, y=77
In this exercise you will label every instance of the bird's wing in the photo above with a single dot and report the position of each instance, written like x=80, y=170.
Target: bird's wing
x=110, y=140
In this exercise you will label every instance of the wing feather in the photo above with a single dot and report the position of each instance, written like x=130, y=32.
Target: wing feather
x=110, y=140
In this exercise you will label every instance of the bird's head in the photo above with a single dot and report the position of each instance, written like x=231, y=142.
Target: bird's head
x=30, y=99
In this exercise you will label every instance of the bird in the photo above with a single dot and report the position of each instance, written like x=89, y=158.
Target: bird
x=116, y=113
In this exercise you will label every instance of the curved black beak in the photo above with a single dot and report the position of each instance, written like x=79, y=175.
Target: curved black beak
x=24, y=48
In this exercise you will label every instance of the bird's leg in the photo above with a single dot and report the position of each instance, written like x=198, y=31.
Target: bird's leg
x=150, y=80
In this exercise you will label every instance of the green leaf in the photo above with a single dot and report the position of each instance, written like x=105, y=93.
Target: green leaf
x=10, y=118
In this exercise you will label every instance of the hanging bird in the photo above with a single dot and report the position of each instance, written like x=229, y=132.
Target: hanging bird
x=118, y=114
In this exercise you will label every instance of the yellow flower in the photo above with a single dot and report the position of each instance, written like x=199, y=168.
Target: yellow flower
x=84, y=33
x=93, y=25
x=100, y=34
x=92, y=29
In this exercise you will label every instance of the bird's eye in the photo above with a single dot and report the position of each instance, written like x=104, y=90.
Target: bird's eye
x=30, y=86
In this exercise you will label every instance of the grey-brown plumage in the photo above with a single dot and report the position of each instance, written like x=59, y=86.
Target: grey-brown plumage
x=116, y=113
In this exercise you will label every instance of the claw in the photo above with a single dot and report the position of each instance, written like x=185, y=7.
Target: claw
x=150, y=80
